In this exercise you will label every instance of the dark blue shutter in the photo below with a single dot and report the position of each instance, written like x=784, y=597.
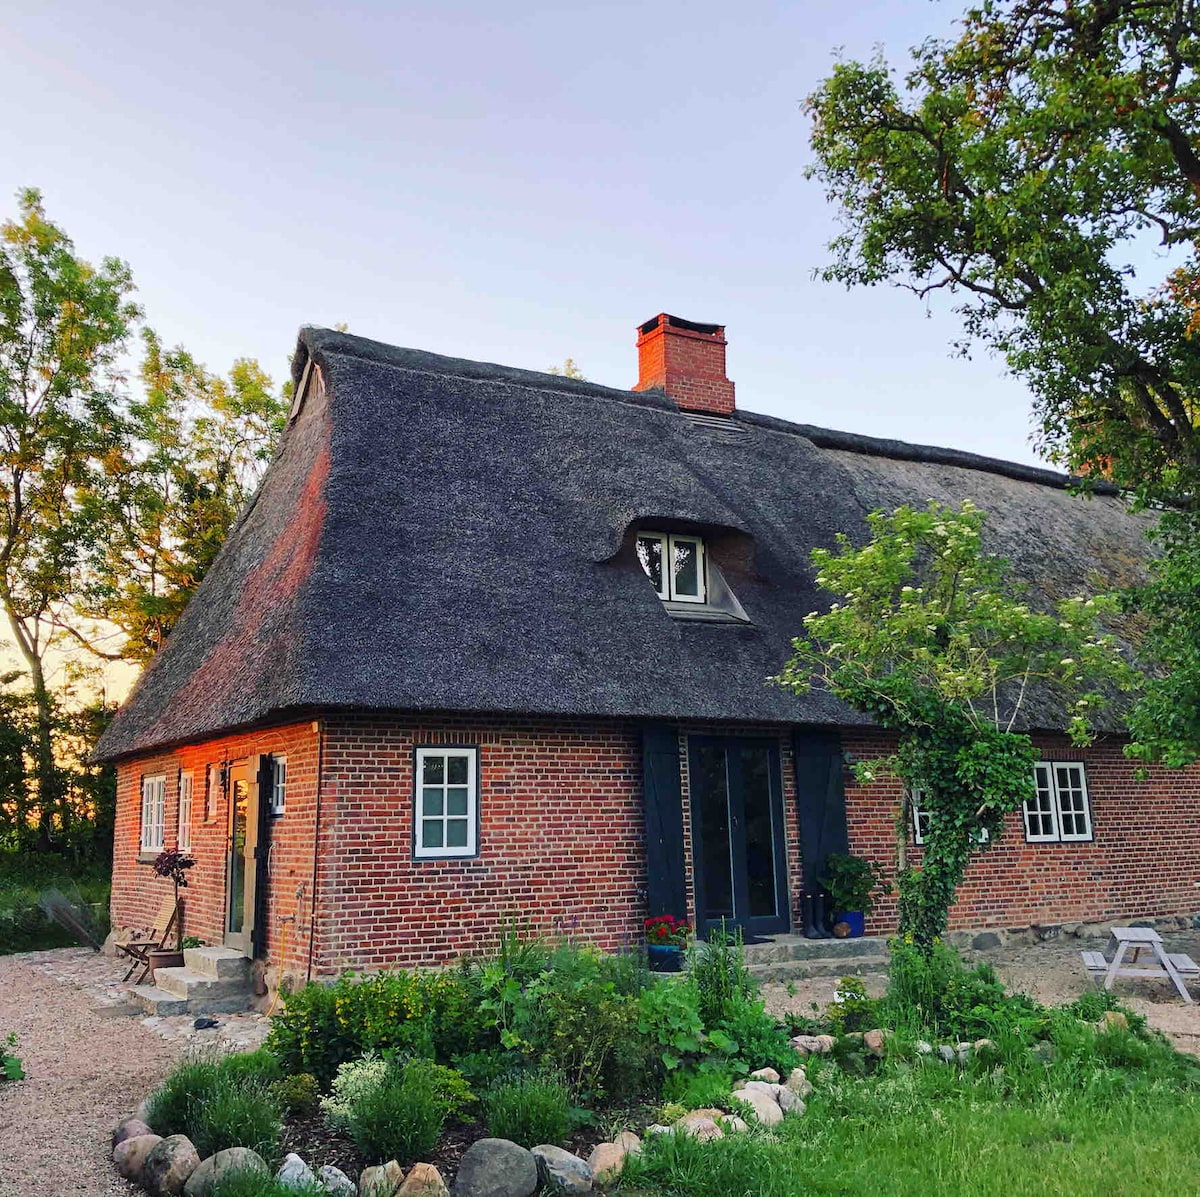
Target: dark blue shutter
x=820, y=797
x=666, y=883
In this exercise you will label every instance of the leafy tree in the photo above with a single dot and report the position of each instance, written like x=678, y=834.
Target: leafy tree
x=63, y=323
x=930, y=637
x=1027, y=167
x=567, y=370
x=199, y=444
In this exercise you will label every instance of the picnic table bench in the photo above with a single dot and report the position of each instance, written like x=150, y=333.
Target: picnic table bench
x=1172, y=965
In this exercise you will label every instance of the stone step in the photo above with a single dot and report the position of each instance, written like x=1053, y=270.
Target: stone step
x=218, y=963
x=158, y=1001
x=185, y=983
x=795, y=947
x=805, y=970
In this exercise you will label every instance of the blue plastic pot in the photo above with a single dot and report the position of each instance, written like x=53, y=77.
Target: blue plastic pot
x=664, y=957
x=855, y=920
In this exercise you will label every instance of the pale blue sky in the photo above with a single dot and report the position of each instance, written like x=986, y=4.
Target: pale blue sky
x=516, y=183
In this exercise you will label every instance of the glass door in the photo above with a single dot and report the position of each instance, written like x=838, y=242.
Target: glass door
x=241, y=870
x=738, y=854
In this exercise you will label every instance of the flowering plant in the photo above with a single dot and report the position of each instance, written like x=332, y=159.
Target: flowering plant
x=667, y=929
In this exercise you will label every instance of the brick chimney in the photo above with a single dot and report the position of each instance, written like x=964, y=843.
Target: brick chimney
x=686, y=360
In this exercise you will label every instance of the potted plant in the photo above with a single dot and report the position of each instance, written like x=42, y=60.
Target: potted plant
x=666, y=938
x=851, y=882
x=173, y=865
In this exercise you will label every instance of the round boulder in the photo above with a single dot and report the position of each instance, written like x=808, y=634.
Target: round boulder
x=217, y=1167
x=130, y=1155
x=765, y=1074
x=698, y=1125
x=607, y=1162
x=130, y=1128
x=561, y=1171
x=170, y=1165
x=423, y=1180
x=334, y=1180
x=631, y=1144
x=384, y=1180
x=496, y=1168
x=766, y=1108
x=799, y=1083
x=294, y=1173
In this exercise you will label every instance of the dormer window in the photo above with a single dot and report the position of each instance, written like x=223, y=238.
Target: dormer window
x=675, y=565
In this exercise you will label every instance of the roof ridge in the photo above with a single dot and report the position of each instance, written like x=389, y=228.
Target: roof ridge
x=325, y=340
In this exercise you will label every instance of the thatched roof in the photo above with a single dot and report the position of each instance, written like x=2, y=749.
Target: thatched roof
x=443, y=535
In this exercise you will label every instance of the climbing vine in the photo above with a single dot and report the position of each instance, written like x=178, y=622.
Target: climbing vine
x=931, y=637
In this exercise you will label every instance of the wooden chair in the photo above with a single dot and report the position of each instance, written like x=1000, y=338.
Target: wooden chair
x=138, y=950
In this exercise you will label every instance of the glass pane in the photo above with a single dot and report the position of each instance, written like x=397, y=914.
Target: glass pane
x=715, y=845
x=456, y=833
x=687, y=574
x=649, y=551
x=431, y=833
x=456, y=801
x=456, y=770
x=433, y=773
x=760, y=836
x=237, y=863
x=431, y=801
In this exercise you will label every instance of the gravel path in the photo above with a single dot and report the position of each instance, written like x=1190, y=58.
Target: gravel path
x=86, y=1068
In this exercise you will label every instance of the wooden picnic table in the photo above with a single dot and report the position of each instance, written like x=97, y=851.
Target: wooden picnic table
x=1139, y=939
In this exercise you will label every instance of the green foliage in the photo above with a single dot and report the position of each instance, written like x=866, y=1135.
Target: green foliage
x=354, y=1080
x=10, y=1062
x=324, y=1026
x=1023, y=167
x=669, y=1019
x=855, y=1011
x=576, y=1016
x=760, y=1041
x=718, y=972
x=696, y=1089
x=851, y=881
x=529, y=1110
x=25, y=877
x=930, y=637
x=251, y=1183
x=220, y=1101
x=402, y=1115
x=297, y=1094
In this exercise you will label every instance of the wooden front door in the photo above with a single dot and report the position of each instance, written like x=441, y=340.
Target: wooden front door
x=242, y=865
x=738, y=852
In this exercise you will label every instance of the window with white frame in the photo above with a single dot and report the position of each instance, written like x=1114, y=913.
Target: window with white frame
x=446, y=803
x=185, y=811
x=675, y=565
x=154, y=812
x=921, y=816
x=278, y=783
x=212, y=785
x=1059, y=809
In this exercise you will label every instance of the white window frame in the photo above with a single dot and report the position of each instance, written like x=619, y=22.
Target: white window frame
x=920, y=817
x=421, y=851
x=278, y=783
x=668, y=542
x=1049, y=801
x=183, y=833
x=154, y=812
x=212, y=783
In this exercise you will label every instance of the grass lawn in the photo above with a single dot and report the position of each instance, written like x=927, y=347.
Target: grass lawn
x=922, y=1129
x=23, y=878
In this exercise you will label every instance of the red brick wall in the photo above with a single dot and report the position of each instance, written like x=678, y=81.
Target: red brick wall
x=560, y=839
x=1144, y=859
x=137, y=892
x=689, y=365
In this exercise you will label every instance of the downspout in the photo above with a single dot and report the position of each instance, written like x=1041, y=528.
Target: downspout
x=312, y=918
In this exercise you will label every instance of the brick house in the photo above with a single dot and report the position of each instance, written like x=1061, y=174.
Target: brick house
x=490, y=643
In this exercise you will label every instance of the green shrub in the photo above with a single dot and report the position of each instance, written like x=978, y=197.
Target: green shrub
x=529, y=1111
x=855, y=1011
x=249, y=1183
x=483, y=1069
x=696, y=1090
x=354, y=1080
x=402, y=1116
x=219, y=1102
x=718, y=972
x=297, y=1094
x=426, y=1014
x=10, y=1062
x=762, y=1041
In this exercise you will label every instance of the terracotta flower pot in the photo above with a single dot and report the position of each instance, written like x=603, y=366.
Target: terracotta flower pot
x=165, y=959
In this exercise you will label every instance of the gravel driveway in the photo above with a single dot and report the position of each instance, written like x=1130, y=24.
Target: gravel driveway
x=87, y=1067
